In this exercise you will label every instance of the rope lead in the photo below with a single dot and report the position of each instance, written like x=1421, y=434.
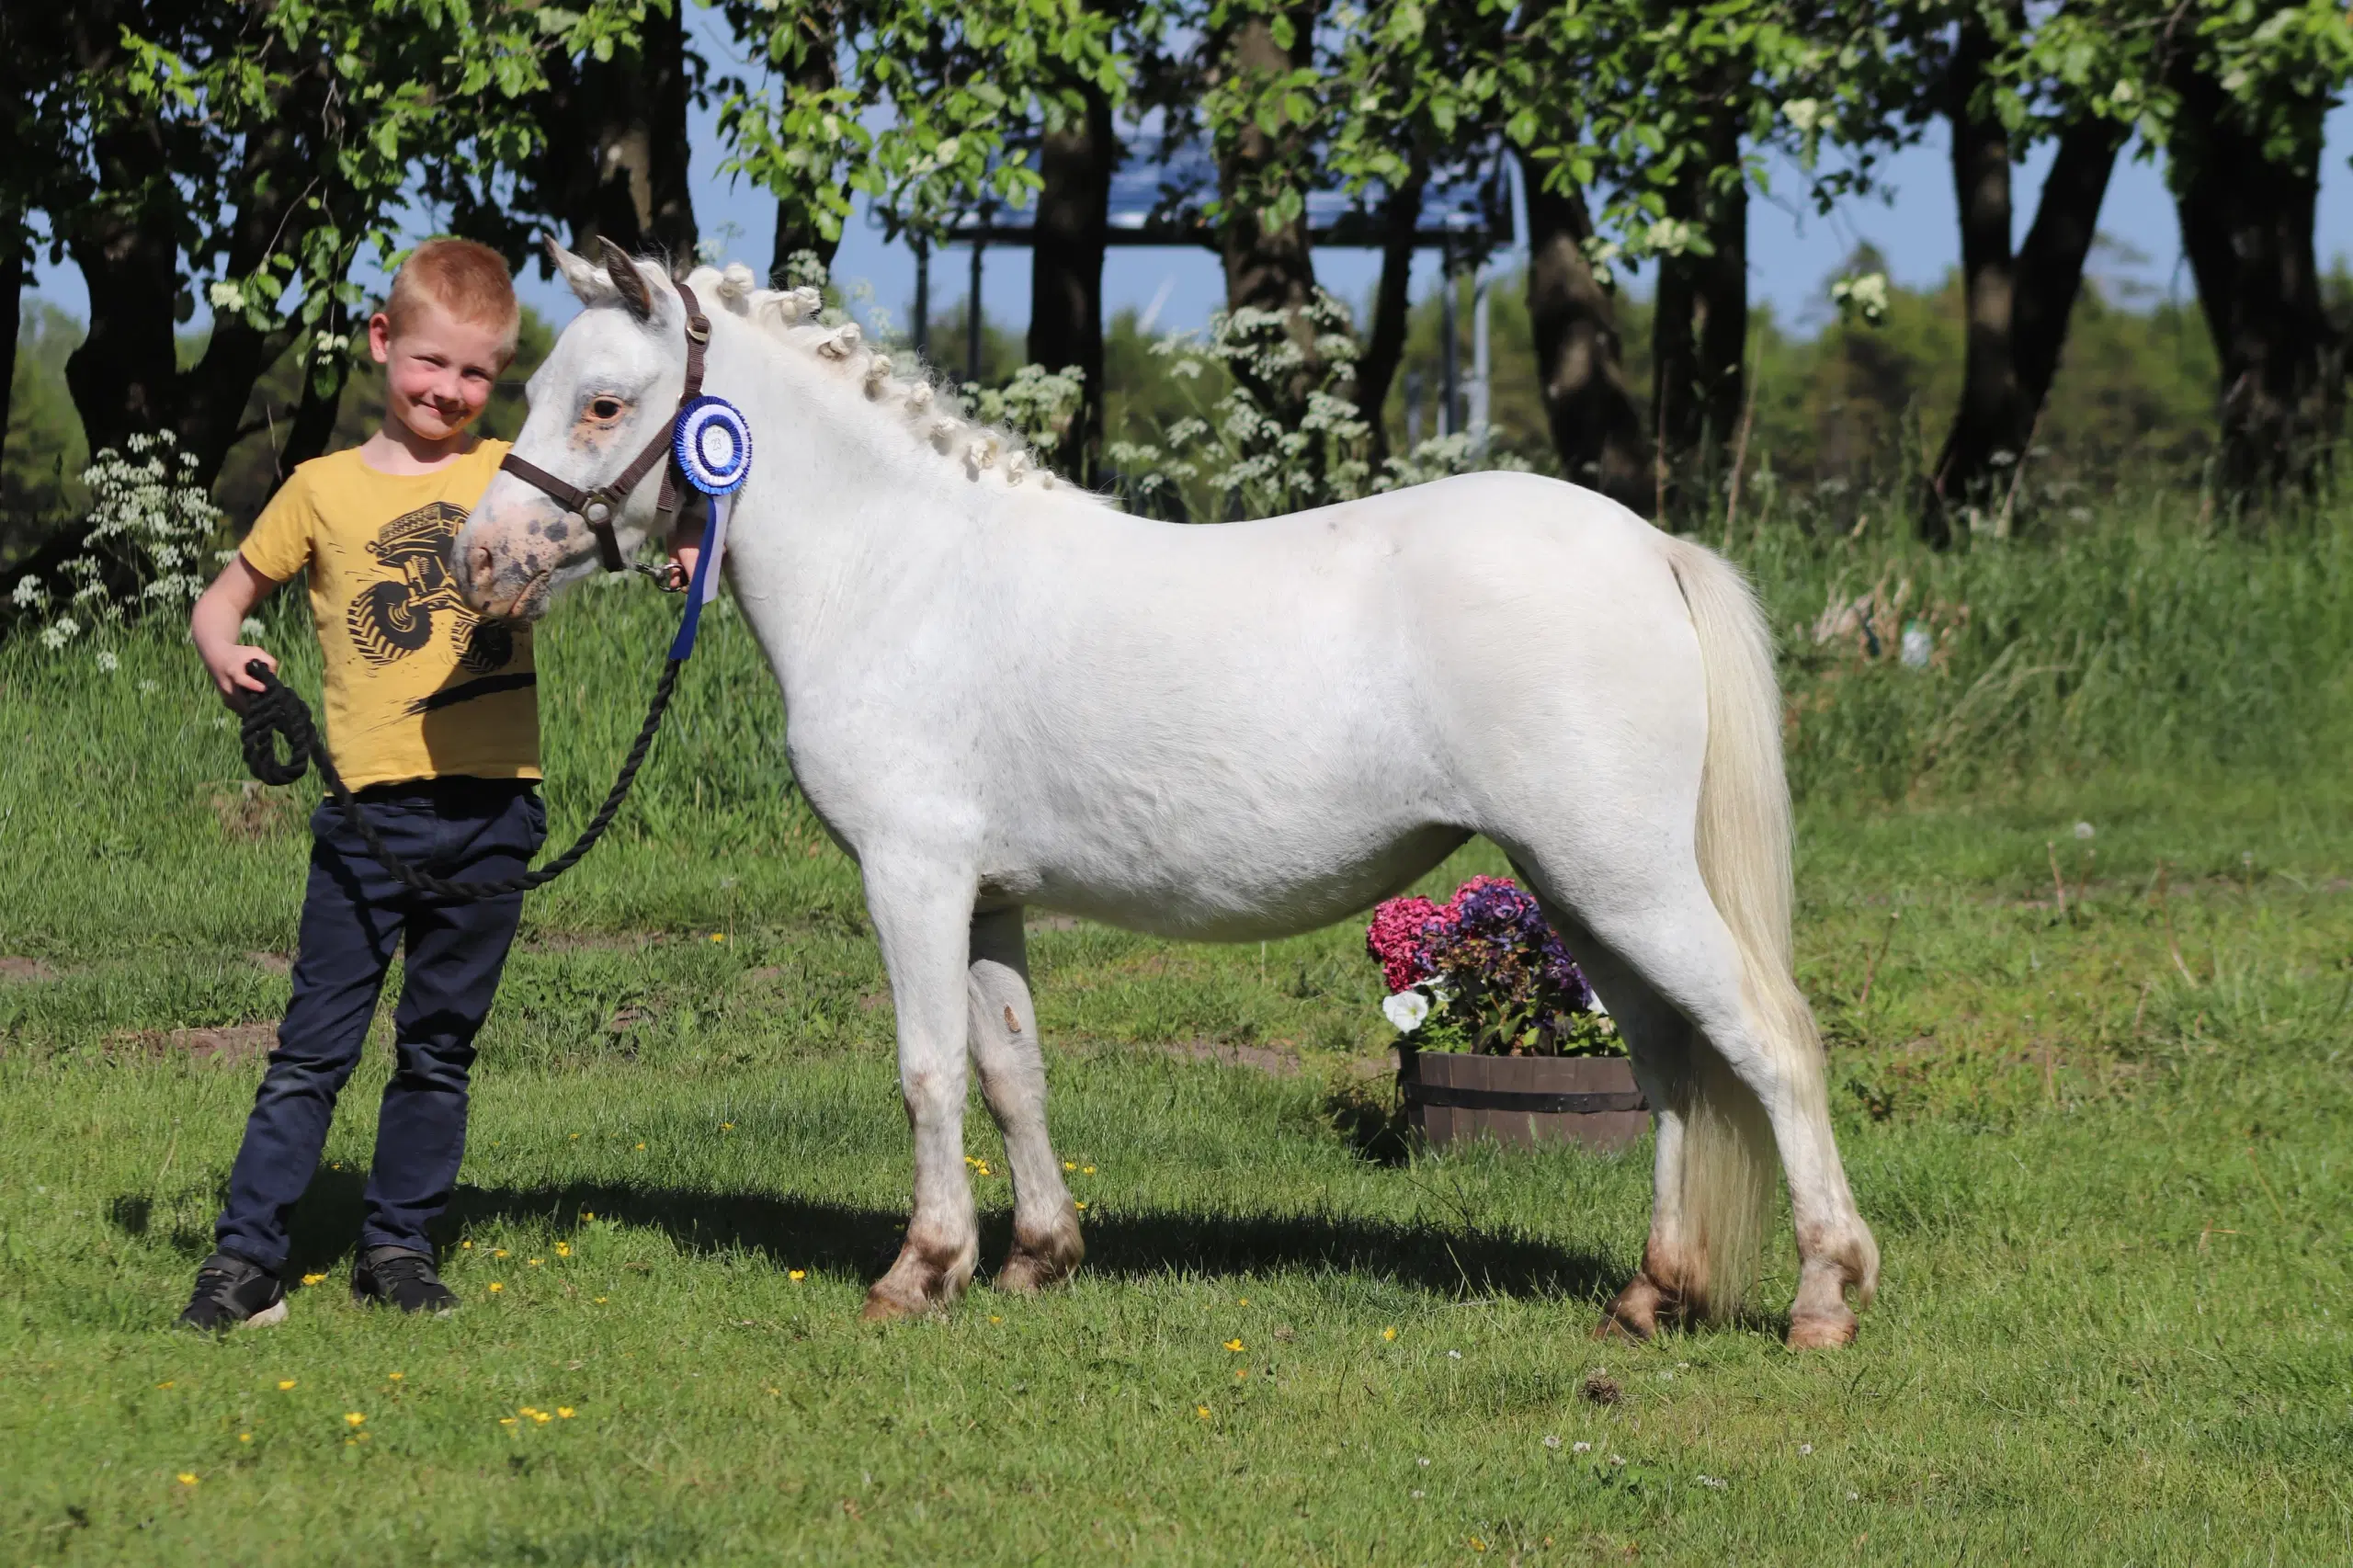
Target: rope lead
x=277, y=711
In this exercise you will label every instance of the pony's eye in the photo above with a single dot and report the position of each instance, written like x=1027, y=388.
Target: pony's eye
x=605, y=408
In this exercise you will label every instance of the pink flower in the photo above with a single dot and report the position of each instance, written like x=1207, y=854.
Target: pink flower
x=1396, y=938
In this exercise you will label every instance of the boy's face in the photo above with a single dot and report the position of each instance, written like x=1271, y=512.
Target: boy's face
x=439, y=371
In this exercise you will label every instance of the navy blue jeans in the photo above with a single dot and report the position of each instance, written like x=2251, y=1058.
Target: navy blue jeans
x=354, y=917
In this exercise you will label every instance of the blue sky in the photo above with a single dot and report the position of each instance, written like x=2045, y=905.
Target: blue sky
x=1792, y=251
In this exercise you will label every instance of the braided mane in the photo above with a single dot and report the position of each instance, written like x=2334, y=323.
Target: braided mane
x=931, y=414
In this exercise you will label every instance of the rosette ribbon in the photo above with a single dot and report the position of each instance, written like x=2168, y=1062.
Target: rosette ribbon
x=713, y=446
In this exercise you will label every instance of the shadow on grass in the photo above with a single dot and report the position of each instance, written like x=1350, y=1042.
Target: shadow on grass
x=798, y=1233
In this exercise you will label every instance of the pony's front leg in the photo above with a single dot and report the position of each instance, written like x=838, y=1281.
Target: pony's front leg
x=921, y=912
x=1046, y=1241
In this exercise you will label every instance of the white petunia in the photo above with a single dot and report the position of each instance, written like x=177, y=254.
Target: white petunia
x=1406, y=1009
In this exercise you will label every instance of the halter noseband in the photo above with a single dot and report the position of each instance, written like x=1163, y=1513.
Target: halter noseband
x=596, y=509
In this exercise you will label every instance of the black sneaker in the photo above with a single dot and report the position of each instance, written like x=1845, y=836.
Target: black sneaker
x=403, y=1278
x=232, y=1292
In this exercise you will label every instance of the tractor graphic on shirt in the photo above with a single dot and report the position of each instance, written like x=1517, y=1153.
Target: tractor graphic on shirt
x=393, y=618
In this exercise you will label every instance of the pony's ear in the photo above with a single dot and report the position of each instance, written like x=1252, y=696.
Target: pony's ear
x=627, y=281
x=577, y=273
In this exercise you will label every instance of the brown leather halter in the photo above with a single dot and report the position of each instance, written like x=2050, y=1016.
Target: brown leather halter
x=596, y=509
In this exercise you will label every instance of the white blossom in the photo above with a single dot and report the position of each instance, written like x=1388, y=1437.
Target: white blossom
x=1406, y=1009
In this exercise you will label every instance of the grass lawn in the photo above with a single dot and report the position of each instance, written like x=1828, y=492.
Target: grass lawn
x=2104, y=1150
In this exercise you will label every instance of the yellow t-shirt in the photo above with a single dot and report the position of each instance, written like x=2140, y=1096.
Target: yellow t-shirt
x=417, y=685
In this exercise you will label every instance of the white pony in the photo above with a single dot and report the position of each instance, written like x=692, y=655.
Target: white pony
x=1002, y=691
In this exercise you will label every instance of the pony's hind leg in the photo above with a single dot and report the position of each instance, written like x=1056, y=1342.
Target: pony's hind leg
x=1003, y=1036
x=1753, y=1085
x=1659, y=1043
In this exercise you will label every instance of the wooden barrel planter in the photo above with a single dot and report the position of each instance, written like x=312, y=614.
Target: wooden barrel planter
x=1454, y=1097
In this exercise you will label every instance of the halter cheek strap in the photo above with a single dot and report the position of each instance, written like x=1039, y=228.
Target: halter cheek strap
x=596, y=509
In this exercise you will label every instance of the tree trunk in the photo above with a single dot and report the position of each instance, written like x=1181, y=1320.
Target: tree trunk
x=1066, y=266
x=1268, y=266
x=12, y=304
x=1699, y=330
x=615, y=165
x=312, y=426
x=813, y=69
x=1596, y=428
x=2247, y=226
x=2051, y=263
x=1401, y=213
x=1991, y=424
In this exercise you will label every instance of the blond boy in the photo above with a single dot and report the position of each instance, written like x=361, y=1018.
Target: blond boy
x=432, y=715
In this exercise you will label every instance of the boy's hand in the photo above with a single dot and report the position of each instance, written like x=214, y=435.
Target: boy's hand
x=686, y=549
x=228, y=667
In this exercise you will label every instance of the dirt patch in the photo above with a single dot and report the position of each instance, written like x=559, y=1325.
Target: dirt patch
x=592, y=941
x=277, y=964
x=25, y=969
x=226, y=1044
x=1382, y=1066
x=248, y=810
x=1278, y=1064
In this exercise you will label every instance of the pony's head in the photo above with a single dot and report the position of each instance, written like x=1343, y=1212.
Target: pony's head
x=609, y=387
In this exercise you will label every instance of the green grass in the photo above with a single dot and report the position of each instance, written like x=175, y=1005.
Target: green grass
x=2111, y=1186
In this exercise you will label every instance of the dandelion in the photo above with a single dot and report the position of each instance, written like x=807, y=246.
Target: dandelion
x=1079, y=1203
x=465, y=1246
x=496, y=1287
x=1241, y=1301
x=795, y=1275
x=1388, y=1334
x=353, y=1418
x=1478, y=1545
x=600, y=1301
x=313, y=1279
x=1070, y=1165
x=994, y=1318
x=530, y=1263
x=245, y=1436
x=394, y=1376
x=498, y=1251
x=727, y=1127
x=506, y=1420
x=285, y=1383
x=187, y=1478
x=576, y=1138
x=641, y=1147
x=541, y=1416
x=1202, y=1411
x=563, y=1413
x=1234, y=1345
x=719, y=935
x=563, y=1249
x=1086, y=1170
x=588, y=1213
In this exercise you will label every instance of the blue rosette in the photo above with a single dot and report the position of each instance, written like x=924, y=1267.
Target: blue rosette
x=711, y=444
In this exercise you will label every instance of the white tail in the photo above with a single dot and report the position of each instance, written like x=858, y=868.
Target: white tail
x=1729, y=1156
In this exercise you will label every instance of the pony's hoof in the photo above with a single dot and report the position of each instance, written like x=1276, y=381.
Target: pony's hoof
x=923, y=1279
x=1822, y=1331
x=1043, y=1258
x=885, y=1306
x=1634, y=1313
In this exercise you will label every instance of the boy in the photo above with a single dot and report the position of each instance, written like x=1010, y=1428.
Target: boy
x=433, y=716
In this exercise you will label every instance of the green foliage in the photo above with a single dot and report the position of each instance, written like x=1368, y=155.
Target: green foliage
x=40, y=480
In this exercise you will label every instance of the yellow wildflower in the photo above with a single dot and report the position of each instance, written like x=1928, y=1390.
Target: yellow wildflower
x=641, y=1145
x=719, y=935
x=245, y=1436
x=1388, y=1334
x=1240, y=1373
x=563, y=1413
x=563, y=1249
x=187, y=1478
x=994, y=1318
x=727, y=1127
x=394, y=1376
x=600, y=1301
x=1076, y=1203
x=313, y=1279
x=285, y=1383
x=496, y=1287
x=1234, y=1346
x=506, y=1420
x=166, y=1382
x=1069, y=1166
x=575, y=1137
x=1086, y=1170
x=1202, y=1411
x=1478, y=1545
x=465, y=1246
x=795, y=1274
x=531, y=1262
x=353, y=1418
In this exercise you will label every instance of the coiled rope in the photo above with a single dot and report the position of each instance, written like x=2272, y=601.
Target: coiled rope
x=277, y=712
